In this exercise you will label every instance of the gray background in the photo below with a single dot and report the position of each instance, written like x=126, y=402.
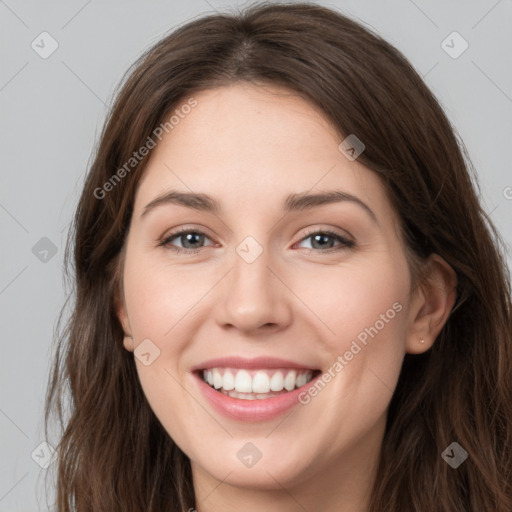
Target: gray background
x=51, y=114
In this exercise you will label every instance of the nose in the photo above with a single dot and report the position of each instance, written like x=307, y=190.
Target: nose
x=254, y=296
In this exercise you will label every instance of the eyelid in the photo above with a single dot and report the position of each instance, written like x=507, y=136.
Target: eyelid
x=196, y=228
x=345, y=242
x=163, y=241
x=328, y=230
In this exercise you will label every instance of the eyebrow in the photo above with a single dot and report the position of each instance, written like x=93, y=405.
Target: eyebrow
x=294, y=202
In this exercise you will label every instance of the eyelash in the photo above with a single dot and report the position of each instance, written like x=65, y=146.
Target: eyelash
x=344, y=242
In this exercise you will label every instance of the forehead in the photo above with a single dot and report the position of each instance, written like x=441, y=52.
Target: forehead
x=250, y=146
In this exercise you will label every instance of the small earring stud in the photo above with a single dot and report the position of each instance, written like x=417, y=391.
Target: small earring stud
x=422, y=340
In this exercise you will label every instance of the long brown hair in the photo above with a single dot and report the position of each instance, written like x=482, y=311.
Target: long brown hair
x=113, y=454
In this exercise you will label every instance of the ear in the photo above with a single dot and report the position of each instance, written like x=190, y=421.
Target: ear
x=122, y=315
x=431, y=305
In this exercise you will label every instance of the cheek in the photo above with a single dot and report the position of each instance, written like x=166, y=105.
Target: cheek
x=360, y=302
x=366, y=308
x=161, y=301
x=158, y=296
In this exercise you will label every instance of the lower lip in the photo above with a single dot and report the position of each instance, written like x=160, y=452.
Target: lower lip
x=251, y=410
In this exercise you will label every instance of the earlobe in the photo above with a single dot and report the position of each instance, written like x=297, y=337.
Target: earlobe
x=128, y=343
x=432, y=305
x=122, y=315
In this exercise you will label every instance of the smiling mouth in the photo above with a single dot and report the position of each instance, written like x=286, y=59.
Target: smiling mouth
x=258, y=384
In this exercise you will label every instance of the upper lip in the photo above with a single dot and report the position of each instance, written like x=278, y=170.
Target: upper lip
x=254, y=363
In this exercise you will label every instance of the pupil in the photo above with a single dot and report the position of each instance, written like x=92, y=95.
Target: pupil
x=188, y=239
x=317, y=237
x=321, y=240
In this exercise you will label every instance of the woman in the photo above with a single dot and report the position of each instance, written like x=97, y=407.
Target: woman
x=288, y=296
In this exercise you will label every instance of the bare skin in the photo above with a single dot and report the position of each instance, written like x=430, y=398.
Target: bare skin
x=249, y=148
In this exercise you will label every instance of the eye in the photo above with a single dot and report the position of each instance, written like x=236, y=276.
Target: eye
x=191, y=240
x=323, y=240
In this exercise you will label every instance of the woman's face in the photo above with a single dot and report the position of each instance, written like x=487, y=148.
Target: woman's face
x=260, y=297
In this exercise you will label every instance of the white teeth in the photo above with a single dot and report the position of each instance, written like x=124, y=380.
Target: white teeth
x=245, y=396
x=260, y=384
x=289, y=381
x=277, y=382
x=301, y=380
x=248, y=396
x=228, y=381
x=217, y=379
x=243, y=382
